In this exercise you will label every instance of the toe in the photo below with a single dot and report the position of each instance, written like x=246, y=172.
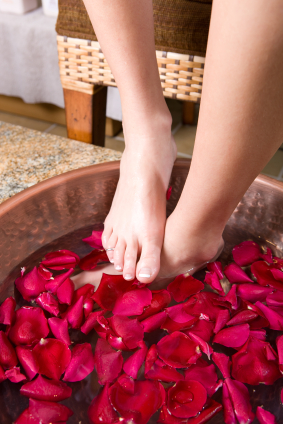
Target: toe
x=119, y=254
x=107, y=232
x=149, y=263
x=111, y=244
x=130, y=261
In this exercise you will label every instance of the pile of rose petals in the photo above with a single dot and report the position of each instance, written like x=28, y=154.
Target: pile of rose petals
x=175, y=377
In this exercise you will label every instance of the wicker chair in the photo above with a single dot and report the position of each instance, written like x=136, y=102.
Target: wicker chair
x=181, y=31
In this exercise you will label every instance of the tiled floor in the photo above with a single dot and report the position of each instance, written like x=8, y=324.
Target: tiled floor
x=184, y=135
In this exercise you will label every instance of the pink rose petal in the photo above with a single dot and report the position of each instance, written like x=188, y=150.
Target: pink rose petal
x=45, y=273
x=132, y=302
x=116, y=342
x=277, y=274
x=231, y=297
x=228, y=411
x=211, y=409
x=259, y=322
x=242, y=317
x=160, y=299
x=234, y=336
x=81, y=364
x=201, y=328
x=88, y=307
x=59, y=328
x=258, y=334
x=94, y=258
x=27, y=418
x=274, y=299
x=14, y=375
x=239, y=396
x=94, y=240
x=204, y=374
x=253, y=292
x=7, y=311
x=246, y=253
x=48, y=412
x=186, y=398
x=275, y=320
x=235, y=274
x=216, y=267
x=27, y=361
x=223, y=363
x=184, y=286
x=221, y=320
x=133, y=363
x=154, y=322
x=53, y=357
x=86, y=291
x=31, y=284
x=253, y=363
x=90, y=322
x=2, y=374
x=8, y=357
x=75, y=313
x=53, y=285
x=29, y=327
x=178, y=350
x=130, y=330
x=262, y=271
x=48, y=302
x=111, y=287
x=279, y=344
x=212, y=280
x=62, y=259
x=66, y=291
x=101, y=410
x=49, y=390
x=108, y=362
x=264, y=417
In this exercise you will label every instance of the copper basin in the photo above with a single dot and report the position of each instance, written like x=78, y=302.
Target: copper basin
x=59, y=212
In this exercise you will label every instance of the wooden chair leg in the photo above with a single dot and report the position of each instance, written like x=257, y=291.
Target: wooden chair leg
x=86, y=115
x=188, y=113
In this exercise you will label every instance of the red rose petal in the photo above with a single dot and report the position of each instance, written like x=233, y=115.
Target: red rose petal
x=228, y=411
x=14, y=375
x=134, y=362
x=108, y=362
x=81, y=364
x=202, y=329
x=186, y=398
x=262, y=271
x=178, y=350
x=27, y=418
x=212, y=280
x=62, y=259
x=53, y=357
x=223, y=363
x=86, y=291
x=204, y=374
x=48, y=412
x=264, y=417
x=31, y=284
x=279, y=344
x=66, y=291
x=231, y=297
x=275, y=320
x=281, y=395
x=166, y=418
x=184, y=286
x=154, y=322
x=170, y=326
x=168, y=193
x=88, y=307
x=7, y=311
x=94, y=240
x=259, y=322
x=75, y=313
x=90, y=322
x=29, y=327
x=8, y=357
x=48, y=302
x=160, y=299
x=101, y=410
x=246, y=253
x=204, y=346
x=235, y=274
x=130, y=330
x=243, y=317
x=53, y=285
x=253, y=363
x=234, y=336
x=258, y=334
x=140, y=406
x=274, y=299
x=111, y=287
x=91, y=260
x=27, y=361
x=49, y=390
x=178, y=314
x=277, y=274
x=155, y=369
x=221, y=320
x=253, y=292
x=216, y=267
x=132, y=302
x=127, y=383
x=239, y=396
x=45, y=273
x=201, y=304
x=59, y=328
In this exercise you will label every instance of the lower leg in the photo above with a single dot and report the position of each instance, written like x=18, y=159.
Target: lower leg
x=240, y=127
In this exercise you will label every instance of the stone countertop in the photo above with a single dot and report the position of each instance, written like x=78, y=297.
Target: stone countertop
x=28, y=157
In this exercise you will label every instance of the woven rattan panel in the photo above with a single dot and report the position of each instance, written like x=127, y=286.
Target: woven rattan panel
x=83, y=65
x=181, y=26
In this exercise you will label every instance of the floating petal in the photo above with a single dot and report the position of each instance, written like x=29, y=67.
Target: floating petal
x=204, y=374
x=132, y=302
x=88, y=307
x=243, y=317
x=2, y=374
x=279, y=344
x=49, y=390
x=14, y=375
x=239, y=396
x=8, y=357
x=228, y=411
x=184, y=286
x=223, y=363
x=275, y=320
x=81, y=364
x=160, y=299
x=202, y=328
x=108, y=362
x=127, y=383
x=134, y=362
x=178, y=314
x=231, y=297
x=29, y=327
x=53, y=285
x=49, y=303
x=94, y=240
x=235, y=274
x=234, y=336
x=212, y=280
x=7, y=311
x=178, y=350
x=154, y=322
x=86, y=291
x=262, y=271
x=59, y=328
x=253, y=292
x=274, y=299
x=31, y=284
x=53, y=357
x=204, y=346
x=111, y=287
x=168, y=193
x=216, y=267
x=221, y=320
x=201, y=304
x=265, y=417
x=75, y=313
x=186, y=398
x=155, y=369
x=62, y=259
x=66, y=291
x=94, y=258
x=27, y=361
x=101, y=410
x=49, y=412
x=130, y=330
x=246, y=253
x=90, y=322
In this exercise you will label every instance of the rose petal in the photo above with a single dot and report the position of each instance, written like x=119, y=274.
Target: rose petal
x=178, y=314
x=48, y=302
x=45, y=273
x=140, y=406
x=49, y=390
x=91, y=260
x=231, y=297
x=186, y=398
x=264, y=417
x=116, y=342
x=8, y=357
x=101, y=410
x=111, y=287
x=90, y=322
x=94, y=240
x=62, y=259
x=202, y=328
x=252, y=364
x=132, y=302
x=235, y=274
x=262, y=271
x=178, y=350
x=53, y=357
x=184, y=286
x=31, y=284
x=221, y=320
x=168, y=193
x=14, y=375
x=154, y=322
x=274, y=299
x=216, y=267
x=275, y=320
x=170, y=326
x=66, y=291
x=127, y=383
x=155, y=369
x=53, y=285
x=29, y=327
x=243, y=317
x=75, y=313
x=48, y=412
x=259, y=322
x=160, y=299
x=88, y=307
x=228, y=411
x=253, y=292
x=223, y=363
x=7, y=311
x=258, y=334
x=279, y=344
x=201, y=304
x=81, y=364
x=134, y=362
x=212, y=280
x=239, y=396
x=234, y=336
x=246, y=253
x=108, y=362
x=130, y=330
x=86, y=291
x=59, y=328
x=277, y=274
x=204, y=374
x=27, y=361
x=204, y=346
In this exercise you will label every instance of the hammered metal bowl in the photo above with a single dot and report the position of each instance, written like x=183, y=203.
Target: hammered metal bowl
x=59, y=212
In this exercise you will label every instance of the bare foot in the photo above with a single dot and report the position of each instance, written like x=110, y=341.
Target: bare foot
x=94, y=276
x=135, y=224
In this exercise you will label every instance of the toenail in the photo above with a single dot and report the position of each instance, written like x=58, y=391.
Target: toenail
x=118, y=267
x=145, y=273
x=128, y=277
x=112, y=261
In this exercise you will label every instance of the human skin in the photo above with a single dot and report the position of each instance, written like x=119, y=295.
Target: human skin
x=240, y=127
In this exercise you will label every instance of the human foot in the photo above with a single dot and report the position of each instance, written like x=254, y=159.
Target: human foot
x=136, y=222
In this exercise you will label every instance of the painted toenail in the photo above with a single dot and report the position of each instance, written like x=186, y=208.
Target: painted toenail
x=118, y=267
x=128, y=277
x=145, y=273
